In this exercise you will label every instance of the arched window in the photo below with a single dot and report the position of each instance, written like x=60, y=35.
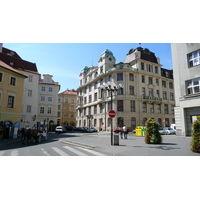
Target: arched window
x=120, y=121
x=160, y=121
x=133, y=122
x=144, y=121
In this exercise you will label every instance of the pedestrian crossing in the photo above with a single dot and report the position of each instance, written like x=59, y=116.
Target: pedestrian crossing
x=52, y=151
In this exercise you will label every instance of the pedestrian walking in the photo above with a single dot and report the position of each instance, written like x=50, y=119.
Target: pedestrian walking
x=121, y=132
x=125, y=132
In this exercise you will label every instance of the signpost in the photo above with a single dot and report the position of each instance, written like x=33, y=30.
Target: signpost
x=112, y=114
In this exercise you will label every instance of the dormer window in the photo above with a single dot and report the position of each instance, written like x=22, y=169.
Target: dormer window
x=11, y=63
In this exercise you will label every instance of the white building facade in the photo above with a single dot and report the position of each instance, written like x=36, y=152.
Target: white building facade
x=186, y=67
x=147, y=92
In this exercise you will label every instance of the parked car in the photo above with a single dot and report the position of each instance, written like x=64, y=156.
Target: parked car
x=60, y=129
x=170, y=131
x=118, y=130
x=93, y=129
x=162, y=131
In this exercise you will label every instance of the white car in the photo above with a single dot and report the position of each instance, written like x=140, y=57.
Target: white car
x=169, y=130
x=60, y=129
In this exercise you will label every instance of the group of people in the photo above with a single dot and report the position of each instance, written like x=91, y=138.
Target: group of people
x=123, y=131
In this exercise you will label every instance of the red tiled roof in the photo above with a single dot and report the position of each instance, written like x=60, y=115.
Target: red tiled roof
x=71, y=92
x=4, y=65
x=18, y=63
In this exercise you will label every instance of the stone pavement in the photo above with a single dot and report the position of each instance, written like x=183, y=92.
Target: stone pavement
x=172, y=145
x=133, y=146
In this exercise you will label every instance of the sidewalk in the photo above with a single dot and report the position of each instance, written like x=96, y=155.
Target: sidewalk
x=172, y=145
x=9, y=141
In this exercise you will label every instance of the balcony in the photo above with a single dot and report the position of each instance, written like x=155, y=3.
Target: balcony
x=151, y=99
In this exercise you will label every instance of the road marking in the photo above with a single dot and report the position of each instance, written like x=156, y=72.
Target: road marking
x=2, y=152
x=14, y=153
x=92, y=152
x=79, y=153
x=45, y=152
x=57, y=150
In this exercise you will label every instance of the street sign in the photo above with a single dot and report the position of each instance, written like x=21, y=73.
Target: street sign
x=112, y=113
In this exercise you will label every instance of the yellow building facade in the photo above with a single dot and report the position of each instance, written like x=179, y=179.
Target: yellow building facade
x=11, y=94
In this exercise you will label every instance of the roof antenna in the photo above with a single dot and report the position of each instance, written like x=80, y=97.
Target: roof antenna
x=92, y=61
x=140, y=44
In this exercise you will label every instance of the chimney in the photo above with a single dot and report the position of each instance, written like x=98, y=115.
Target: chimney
x=1, y=46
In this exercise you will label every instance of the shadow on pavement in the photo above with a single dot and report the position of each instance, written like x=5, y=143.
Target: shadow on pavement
x=51, y=138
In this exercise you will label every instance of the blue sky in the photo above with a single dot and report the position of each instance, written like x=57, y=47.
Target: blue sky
x=66, y=60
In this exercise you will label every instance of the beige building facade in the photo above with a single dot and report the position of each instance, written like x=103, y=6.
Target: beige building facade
x=147, y=91
x=67, y=108
x=48, y=102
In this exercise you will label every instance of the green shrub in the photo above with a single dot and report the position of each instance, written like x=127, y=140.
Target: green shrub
x=195, y=143
x=152, y=132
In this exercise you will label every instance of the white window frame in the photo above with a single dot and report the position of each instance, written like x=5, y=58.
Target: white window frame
x=193, y=86
x=194, y=58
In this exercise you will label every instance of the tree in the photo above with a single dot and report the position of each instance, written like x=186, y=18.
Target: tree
x=152, y=132
x=195, y=143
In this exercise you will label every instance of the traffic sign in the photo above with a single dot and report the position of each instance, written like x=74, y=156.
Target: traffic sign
x=112, y=113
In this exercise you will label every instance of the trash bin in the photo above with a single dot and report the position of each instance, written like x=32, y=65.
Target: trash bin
x=138, y=131
x=116, y=139
x=144, y=131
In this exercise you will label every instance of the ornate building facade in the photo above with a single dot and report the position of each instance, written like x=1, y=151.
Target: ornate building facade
x=148, y=91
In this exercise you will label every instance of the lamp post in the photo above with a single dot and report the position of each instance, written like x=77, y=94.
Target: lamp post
x=111, y=87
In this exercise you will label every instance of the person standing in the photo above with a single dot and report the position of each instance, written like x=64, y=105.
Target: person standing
x=125, y=132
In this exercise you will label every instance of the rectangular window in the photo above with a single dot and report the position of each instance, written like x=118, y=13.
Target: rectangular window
x=143, y=79
x=194, y=58
x=171, y=96
x=49, y=110
x=144, y=107
x=119, y=76
x=30, y=78
x=11, y=100
x=29, y=93
x=95, y=96
x=158, y=93
x=142, y=66
x=131, y=77
x=50, y=89
x=43, y=89
x=150, y=92
x=41, y=110
x=164, y=84
x=28, y=108
x=1, y=77
x=156, y=70
x=150, y=80
x=90, y=98
x=193, y=86
x=95, y=109
x=120, y=91
x=132, y=103
x=166, y=109
x=13, y=81
x=151, y=108
x=173, y=109
x=157, y=82
x=131, y=89
x=171, y=85
x=164, y=95
x=120, y=105
x=50, y=99
x=143, y=91
x=158, y=108
x=85, y=100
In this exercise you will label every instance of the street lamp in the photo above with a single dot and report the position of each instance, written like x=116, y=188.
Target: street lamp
x=111, y=87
